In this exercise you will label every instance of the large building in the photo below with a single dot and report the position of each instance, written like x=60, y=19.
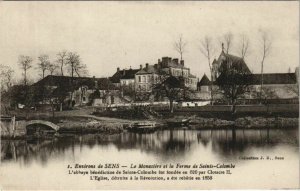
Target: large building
x=275, y=85
x=149, y=75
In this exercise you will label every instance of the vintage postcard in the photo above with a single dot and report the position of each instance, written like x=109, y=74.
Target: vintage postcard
x=157, y=95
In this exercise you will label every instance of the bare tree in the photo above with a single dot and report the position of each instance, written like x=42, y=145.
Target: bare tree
x=179, y=46
x=206, y=48
x=244, y=46
x=228, y=38
x=266, y=47
x=72, y=59
x=61, y=59
x=43, y=63
x=52, y=67
x=6, y=74
x=25, y=63
x=80, y=69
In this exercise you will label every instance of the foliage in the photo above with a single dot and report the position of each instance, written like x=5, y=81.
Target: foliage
x=233, y=81
x=170, y=87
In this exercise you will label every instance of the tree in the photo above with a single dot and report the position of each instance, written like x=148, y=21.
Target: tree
x=6, y=74
x=61, y=60
x=25, y=63
x=206, y=48
x=244, y=46
x=228, y=38
x=75, y=65
x=171, y=87
x=52, y=67
x=73, y=61
x=43, y=63
x=266, y=45
x=233, y=81
x=179, y=46
x=44, y=94
x=80, y=69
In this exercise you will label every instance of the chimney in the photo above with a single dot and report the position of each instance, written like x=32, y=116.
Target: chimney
x=158, y=61
x=147, y=65
x=95, y=82
x=169, y=59
x=182, y=62
x=175, y=60
x=141, y=66
x=164, y=60
x=118, y=69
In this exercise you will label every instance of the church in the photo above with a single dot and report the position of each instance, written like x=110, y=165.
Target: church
x=274, y=87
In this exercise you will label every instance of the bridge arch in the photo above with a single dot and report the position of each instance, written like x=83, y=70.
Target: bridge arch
x=42, y=122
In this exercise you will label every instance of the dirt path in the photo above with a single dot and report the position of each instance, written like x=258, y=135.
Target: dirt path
x=107, y=119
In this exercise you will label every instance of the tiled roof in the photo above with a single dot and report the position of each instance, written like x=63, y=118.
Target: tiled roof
x=204, y=81
x=123, y=74
x=233, y=62
x=129, y=74
x=65, y=81
x=148, y=70
x=192, y=76
x=273, y=78
x=175, y=65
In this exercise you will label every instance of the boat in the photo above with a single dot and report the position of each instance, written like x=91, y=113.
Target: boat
x=178, y=123
x=143, y=127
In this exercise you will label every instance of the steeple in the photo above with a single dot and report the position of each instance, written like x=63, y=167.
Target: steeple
x=222, y=47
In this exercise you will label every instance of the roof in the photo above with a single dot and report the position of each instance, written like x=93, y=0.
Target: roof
x=192, y=76
x=123, y=74
x=273, y=78
x=204, y=81
x=65, y=81
x=148, y=70
x=214, y=62
x=232, y=61
x=176, y=65
x=129, y=74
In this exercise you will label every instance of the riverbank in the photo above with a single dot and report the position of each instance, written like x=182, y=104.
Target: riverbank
x=245, y=123
x=87, y=121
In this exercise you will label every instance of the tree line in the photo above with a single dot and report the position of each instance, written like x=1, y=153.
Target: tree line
x=65, y=63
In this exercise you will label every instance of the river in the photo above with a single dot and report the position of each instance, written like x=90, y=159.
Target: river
x=43, y=164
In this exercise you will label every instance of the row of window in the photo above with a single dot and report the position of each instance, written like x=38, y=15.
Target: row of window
x=179, y=72
x=147, y=78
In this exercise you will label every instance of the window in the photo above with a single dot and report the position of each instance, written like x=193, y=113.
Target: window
x=144, y=78
x=140, y=79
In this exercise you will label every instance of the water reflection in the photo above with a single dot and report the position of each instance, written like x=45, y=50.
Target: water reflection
x=165, y=144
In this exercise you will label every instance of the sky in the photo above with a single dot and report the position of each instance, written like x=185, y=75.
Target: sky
x=108, y=35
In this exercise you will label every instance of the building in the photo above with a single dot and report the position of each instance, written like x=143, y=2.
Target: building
x=150, y=75
x=203, y=88
x=78, y=91
x=275, y=85
x=125, y=77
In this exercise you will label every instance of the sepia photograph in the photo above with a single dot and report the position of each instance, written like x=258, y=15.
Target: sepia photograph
x=126, y=95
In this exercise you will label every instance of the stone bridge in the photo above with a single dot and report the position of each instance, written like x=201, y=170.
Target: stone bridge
x=18, y=128
x=47, y=123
